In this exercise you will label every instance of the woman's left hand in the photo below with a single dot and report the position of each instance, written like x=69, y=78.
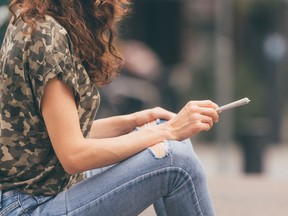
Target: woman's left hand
x=142, y=117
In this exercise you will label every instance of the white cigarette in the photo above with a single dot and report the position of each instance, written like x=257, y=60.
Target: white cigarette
x=233, y=104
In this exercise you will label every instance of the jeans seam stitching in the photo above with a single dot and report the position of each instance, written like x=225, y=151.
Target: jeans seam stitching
x=195, y=196
x=10, y=207
x=21, y=206
x=115, y=189
x=199, y=210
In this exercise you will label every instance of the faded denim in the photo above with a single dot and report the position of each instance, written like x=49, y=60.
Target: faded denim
x=175, y=183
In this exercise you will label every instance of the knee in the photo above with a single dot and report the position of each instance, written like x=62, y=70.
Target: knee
x=183, y=156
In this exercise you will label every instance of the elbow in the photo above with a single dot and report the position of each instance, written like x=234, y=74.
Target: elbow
x=71, y=157
x=70, y=167
x=79, y=158
x=70, y=164
x=70, y=170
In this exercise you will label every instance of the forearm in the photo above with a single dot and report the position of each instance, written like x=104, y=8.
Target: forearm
x=94, y=153
x=112, y=126
x=121, y=125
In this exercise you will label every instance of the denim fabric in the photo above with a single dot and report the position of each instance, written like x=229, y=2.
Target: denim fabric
x=176, y=181
x=17, y=203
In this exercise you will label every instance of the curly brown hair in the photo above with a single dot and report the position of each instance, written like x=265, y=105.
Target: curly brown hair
x=91, y=25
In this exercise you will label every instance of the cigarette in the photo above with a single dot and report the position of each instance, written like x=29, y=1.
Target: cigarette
x=234, y=104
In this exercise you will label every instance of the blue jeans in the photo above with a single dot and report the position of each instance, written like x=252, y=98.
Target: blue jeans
x=175, y=183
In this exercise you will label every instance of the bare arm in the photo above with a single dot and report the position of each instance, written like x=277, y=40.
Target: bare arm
x=78, y=154
x=120, y=125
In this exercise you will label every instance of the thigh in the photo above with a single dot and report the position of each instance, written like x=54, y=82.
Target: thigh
x=124, y=189
x=132, y=185
x=93, y=172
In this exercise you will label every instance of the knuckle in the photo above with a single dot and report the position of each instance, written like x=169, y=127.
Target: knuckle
x=158, y=109
x=190, y=104
x=154, y=112
x=198, y=126
x=195, y=116
x=191, y=107
x=208, y=101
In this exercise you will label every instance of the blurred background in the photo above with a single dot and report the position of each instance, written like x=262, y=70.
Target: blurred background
x=222, y=50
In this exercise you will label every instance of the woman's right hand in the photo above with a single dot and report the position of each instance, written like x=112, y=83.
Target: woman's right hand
x=194, y=117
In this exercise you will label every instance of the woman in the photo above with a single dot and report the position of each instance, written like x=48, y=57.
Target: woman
x=54, y=55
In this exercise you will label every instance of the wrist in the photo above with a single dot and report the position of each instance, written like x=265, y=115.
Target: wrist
x=166, y=132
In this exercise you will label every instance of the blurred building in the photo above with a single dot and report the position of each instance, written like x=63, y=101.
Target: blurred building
x=248, y=39
x=221, y=50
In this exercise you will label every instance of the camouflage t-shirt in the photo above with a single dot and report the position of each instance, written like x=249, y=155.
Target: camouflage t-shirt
x=27, y=62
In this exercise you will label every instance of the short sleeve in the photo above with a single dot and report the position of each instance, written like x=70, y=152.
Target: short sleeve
x=49, y=57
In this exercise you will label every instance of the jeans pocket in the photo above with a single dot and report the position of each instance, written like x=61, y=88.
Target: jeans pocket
x=9, y=204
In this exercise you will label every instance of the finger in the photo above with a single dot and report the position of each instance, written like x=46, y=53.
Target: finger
x=203, y=126
x=211, y=112
x=207, y=120
x=206, y=126
x=206, y=103
x=163, y=113
x=195, y=111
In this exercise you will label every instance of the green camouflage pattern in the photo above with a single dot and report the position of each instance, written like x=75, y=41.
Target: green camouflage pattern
x=27, y=62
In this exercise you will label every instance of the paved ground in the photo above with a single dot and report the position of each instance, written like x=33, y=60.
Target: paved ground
x=236, y=194
x=249, y=196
